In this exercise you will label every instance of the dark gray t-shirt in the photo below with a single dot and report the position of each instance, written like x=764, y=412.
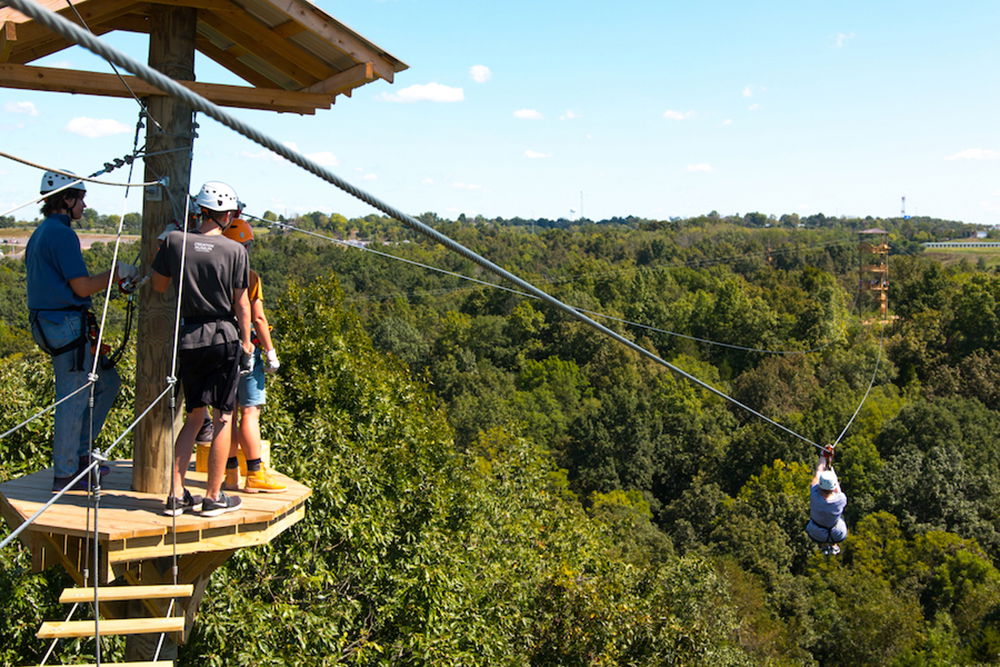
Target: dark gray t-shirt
x=214, y=266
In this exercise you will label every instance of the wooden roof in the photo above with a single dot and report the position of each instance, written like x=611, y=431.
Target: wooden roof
x=296, y=57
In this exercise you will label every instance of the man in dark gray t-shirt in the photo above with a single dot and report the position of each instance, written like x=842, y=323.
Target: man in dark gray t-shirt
x=212, y=275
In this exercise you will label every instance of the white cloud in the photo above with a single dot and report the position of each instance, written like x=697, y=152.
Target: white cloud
x=27, y=108
x=841, y=38
x=727, y=122
x=95, y=128
x=673, y=114
x=370, y=177
x=428, y=181
x=748, y=92
x=528, y=114
x=480, y=73
x=753, y=107
x=424, y=92
x=535, y=155
x=975, y=154
x=569, y=115
x=701, y=166
x=324, y=158
x=466, y=186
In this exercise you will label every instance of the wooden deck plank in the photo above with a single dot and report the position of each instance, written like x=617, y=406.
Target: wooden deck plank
x=133, y=524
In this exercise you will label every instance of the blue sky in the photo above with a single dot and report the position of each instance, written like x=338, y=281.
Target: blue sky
x=655, y=109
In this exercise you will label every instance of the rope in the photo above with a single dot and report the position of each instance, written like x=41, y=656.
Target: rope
x=59, y=494
x=871, y=383
x=198, y=103
x=90, y=179
x=44, y=410
x=532, y=296
x=55, y=640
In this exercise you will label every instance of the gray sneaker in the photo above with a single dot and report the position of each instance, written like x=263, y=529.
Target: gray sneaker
x=224, y=504
x=175, y=506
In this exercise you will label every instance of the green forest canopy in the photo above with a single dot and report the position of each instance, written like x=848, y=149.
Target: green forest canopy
x=497, y=483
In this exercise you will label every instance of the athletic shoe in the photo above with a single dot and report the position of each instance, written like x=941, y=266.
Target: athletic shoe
x=206, y=432
x=224, y=504
x=260, y=481
x=232, y=481
x=834, y=549
x=175, y=506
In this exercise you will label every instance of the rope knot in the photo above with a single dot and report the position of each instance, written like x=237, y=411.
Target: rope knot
x=92, y=377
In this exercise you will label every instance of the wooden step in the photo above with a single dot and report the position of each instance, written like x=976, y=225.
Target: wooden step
x=123, y=626
x=115, y=593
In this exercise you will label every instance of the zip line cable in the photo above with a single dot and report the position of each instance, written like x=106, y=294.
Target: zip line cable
x=44, y=410
x=80, y=474
x=871, y=383
x=532, y=296
x=198, y=103
x=108, y=166
x=88, y=179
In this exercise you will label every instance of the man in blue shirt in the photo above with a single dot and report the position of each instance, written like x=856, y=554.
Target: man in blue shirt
x=826, y=507
x=59, y=289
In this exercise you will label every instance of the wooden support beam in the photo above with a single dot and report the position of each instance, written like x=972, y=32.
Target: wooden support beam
x=248, y=32
x=315, y=20
x=346, y=81
x=229, y=59
x=8, y=35
x=118, y=593
x=118, y=626
x=30, y=77
x=35, y=40
x=288, y=29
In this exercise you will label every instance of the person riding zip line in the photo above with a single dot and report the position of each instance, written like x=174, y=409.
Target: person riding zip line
x=59, y=288
x=251, y=393
x=214, y=340
x=826, y=506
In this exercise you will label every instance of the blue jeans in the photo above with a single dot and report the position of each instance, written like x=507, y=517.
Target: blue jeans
x=72, y=422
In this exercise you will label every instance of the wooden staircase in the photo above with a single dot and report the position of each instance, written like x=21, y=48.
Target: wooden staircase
x=119, y=626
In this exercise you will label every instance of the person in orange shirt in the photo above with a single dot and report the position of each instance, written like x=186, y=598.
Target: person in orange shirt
x=251, y=393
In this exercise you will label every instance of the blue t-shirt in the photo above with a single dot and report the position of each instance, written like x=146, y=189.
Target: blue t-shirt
x=53, y=258
x=825, y=512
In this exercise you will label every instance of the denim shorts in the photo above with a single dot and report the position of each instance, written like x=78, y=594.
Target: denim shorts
x=251, y=392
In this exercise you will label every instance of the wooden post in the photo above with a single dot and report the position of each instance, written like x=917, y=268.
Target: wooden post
x=169, y=127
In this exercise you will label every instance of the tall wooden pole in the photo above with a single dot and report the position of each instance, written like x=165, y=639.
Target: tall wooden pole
x=168, y=128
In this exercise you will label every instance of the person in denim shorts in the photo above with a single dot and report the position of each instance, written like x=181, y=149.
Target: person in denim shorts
x=251, y=393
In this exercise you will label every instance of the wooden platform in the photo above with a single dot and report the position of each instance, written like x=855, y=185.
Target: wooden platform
x=132, y=526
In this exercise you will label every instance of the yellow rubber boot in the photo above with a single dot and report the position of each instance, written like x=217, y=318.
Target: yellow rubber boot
x=232, y=481
x=261, y=481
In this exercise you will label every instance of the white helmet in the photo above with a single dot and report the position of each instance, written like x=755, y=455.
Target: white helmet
x=53, y=180
x=217, y=196
x=828, y=480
